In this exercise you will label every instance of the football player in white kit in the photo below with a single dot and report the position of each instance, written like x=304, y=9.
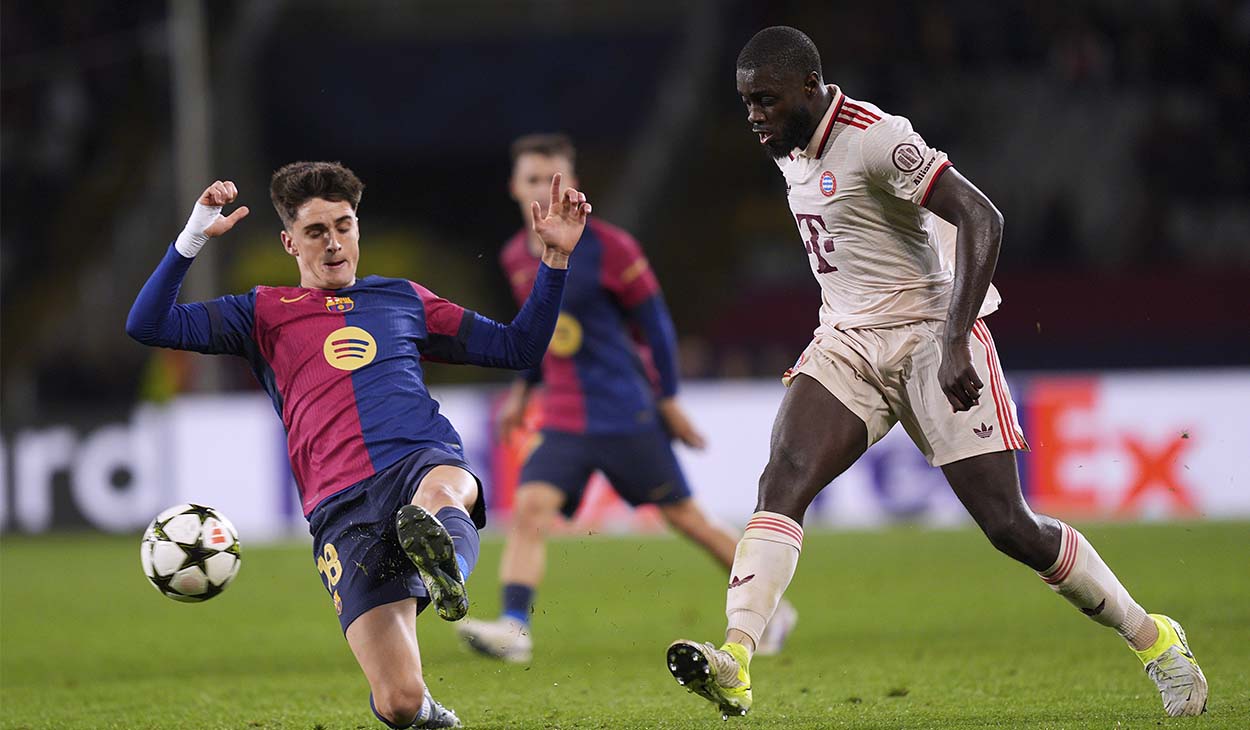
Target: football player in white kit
x=904, y=248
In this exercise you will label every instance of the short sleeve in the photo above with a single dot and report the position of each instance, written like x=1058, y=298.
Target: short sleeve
x=231, y=320
x=441, y=316
x=447, y=327
x=625, y=270
x=898, y=160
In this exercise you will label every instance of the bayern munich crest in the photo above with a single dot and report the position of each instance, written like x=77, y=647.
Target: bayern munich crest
x=828, y=184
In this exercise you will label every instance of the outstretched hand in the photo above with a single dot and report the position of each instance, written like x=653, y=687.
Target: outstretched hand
x=561, y=228
x=216, y=196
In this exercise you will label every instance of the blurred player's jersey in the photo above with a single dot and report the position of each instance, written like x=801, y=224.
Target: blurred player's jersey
x=597, y=377
x=857, y=193
x=309, y=349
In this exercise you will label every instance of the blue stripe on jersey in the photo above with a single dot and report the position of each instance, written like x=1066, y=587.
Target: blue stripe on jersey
x=618, y=396
x=397, y=413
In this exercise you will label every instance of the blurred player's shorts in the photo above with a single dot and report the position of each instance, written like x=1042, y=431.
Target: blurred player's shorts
x=641, y=466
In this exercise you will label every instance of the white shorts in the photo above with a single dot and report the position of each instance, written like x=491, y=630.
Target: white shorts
x=890, y=374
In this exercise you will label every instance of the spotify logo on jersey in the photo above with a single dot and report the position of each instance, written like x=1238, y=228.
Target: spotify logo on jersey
x=350, y=348
x=567, y=339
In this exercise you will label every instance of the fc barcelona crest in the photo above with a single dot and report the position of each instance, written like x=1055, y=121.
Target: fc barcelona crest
x=340, y=304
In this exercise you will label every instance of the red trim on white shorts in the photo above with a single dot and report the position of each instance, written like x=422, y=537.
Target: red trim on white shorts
x=1016, y=432
x=1013, y=438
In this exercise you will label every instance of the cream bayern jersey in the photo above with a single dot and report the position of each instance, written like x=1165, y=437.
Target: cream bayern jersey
x=857, y=193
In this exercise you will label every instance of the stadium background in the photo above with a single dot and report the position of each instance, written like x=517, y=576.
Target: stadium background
x=1112, y=134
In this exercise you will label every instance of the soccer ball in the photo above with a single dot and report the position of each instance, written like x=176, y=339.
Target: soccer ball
x=190, y=553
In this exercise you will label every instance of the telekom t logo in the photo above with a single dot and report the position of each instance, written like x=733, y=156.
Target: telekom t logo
x=815, y=225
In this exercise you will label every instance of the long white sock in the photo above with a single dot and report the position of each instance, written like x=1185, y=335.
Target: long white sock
x=763, y=565
x=1080, y=575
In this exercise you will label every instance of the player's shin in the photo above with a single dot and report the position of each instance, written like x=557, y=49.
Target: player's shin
x=464, y=537
x=763, y=565
x=1080, y=575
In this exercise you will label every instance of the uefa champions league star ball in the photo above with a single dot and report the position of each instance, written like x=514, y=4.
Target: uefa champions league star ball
x=190, y=553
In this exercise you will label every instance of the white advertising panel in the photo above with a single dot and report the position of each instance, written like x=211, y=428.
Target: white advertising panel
x=1120, y=446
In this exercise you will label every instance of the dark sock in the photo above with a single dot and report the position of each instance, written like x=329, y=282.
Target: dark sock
x=463, y=535
x=517, y=600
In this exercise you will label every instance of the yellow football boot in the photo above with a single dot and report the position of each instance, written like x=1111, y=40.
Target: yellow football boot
x=1172, y=667
x=721, y=676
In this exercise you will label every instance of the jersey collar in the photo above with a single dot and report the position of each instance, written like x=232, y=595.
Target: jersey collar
x=820, y=138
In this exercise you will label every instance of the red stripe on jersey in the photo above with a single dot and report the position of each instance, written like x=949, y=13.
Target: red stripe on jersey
x=857, y=118
x=324, y=436
x=1015, y=428
x=776, y=525
x=938, y=173
x=564, y=409
x=861, y=110
x=854, y=122
x=825, y=139
x=441, y=316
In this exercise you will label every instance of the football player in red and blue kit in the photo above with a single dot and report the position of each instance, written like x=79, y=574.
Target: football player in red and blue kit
x=609, y=404
x=392, y=505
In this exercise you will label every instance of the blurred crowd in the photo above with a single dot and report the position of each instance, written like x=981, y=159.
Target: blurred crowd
x=1111, y=133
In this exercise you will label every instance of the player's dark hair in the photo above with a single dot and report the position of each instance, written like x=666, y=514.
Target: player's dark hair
x=299, y=182
x=547, y=145
x=782, y=48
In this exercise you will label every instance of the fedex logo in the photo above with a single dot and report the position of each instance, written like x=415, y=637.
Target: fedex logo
x=1102, y=449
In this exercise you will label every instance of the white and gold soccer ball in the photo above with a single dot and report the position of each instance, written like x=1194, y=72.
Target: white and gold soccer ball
x=190, y=553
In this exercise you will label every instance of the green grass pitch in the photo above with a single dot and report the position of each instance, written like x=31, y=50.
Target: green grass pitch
x=904, y=628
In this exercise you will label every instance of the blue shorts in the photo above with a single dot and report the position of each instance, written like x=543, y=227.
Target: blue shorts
x=354, y=540
x=641, y=466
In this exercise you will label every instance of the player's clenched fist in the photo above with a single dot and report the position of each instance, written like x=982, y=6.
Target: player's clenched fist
x=206, y=220
x=958, y=377
x=560, y=225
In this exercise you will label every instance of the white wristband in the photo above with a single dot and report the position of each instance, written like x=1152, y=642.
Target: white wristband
x=193, y=238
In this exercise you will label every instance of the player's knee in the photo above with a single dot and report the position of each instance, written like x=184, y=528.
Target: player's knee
x=432, y=493
x=399, y=704
x=1016, y=536
x=532, y=512
x=781, y=485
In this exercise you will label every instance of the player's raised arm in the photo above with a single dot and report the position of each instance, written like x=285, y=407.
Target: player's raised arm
x=156, y=320
x=628, y=276
x=561, y=228
x=458, y=335
x=978, y=239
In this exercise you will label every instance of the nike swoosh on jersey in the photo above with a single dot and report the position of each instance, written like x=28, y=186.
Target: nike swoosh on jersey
x=296, y=299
